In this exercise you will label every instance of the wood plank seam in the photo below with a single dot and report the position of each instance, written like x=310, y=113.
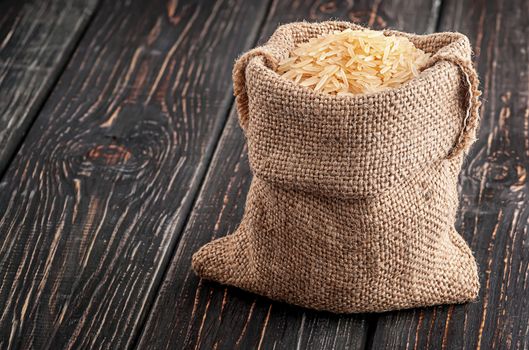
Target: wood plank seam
x=11, y=148
x=197, y=188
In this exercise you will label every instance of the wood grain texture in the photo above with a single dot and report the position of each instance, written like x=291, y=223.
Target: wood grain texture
x=494, y=212
x=36, y=40
x=94, y=201
x=190, y=313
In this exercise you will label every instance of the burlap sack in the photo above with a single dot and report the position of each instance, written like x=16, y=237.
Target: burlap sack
x=353, y=199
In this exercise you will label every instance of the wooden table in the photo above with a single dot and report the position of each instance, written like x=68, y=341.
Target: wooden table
x=120, y=155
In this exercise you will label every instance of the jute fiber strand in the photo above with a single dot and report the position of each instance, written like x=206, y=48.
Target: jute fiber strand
x=353, y=200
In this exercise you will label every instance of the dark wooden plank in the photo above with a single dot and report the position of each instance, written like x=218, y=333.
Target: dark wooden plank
x=494, y=211
x=94, y=201
x=36, y=40
x=196, y=314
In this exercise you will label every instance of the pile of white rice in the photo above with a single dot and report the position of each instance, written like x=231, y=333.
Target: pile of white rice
x=353, y=62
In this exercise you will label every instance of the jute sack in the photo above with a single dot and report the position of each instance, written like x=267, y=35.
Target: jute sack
x=353, y=200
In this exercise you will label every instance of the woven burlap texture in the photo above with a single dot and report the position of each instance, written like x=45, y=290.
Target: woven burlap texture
x=353, y=200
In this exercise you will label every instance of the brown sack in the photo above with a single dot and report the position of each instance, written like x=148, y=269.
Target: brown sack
x=353, y=199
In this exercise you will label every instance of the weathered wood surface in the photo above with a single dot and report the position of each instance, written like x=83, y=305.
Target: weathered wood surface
x=93, y=202
x=36, y=40
x=495, y=210
x=189, y=313
x=111, y=176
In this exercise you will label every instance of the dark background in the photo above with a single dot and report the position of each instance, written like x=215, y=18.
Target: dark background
x=120, y=155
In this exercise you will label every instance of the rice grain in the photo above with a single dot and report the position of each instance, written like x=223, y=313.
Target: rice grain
x=353, y=62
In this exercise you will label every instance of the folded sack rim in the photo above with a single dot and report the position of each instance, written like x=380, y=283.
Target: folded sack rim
x=261, y=63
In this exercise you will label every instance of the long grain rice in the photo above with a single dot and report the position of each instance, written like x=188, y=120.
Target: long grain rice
x=353, y=62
